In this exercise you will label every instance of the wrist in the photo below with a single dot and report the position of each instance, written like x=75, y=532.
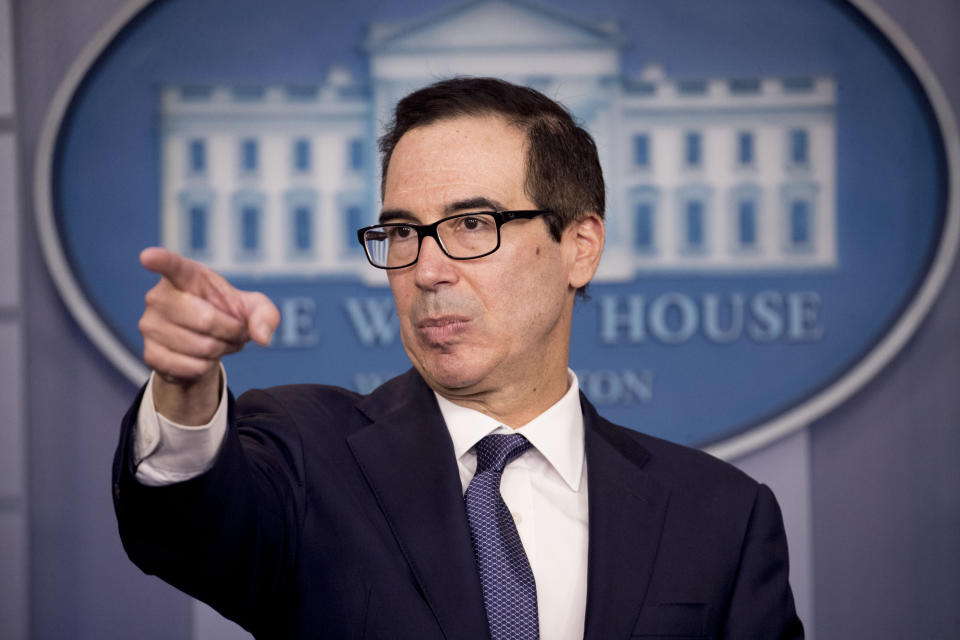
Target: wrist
x=188, y=404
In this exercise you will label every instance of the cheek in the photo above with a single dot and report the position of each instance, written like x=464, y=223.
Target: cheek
x=545, y=265
x=531, y=287
x=402, y=298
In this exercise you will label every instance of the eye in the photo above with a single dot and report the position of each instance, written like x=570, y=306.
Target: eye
x=400, y=233
x=474, y=223
x=375, y=235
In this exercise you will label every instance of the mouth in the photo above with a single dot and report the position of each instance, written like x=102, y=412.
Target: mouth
x=441, y=329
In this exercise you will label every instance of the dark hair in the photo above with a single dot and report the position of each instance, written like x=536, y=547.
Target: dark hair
x=563, y=169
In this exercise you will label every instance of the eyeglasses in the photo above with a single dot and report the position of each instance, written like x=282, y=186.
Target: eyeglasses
x=465, y=236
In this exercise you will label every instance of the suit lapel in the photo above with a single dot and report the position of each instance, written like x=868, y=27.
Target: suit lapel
x=407, y=458
x=627, y=509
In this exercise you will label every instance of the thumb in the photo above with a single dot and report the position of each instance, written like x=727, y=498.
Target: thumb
x=262, y=316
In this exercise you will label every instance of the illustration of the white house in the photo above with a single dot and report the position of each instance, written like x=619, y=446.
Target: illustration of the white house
x=703, y=174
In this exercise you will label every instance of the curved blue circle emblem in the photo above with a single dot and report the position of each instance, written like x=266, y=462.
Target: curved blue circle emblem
x=777, y=184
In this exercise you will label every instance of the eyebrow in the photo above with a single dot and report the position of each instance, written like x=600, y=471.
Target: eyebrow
x=392, y=215
x=469, y=204
x=485, y=204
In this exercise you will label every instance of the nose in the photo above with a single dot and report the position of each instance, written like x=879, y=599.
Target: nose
x=433, y=267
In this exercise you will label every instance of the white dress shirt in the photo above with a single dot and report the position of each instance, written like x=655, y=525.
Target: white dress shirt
x=545, y=488
x=546, y=491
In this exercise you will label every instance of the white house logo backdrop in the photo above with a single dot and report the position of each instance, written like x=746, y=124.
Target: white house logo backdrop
x=777, y=176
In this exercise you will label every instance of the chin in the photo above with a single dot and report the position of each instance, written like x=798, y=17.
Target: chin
x=462, y=366
x=449, y=372
x=450, y=379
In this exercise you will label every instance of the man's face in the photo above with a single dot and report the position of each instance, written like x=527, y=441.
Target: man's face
x=473, y=327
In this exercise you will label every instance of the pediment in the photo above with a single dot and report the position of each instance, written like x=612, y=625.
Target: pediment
x=492, y=24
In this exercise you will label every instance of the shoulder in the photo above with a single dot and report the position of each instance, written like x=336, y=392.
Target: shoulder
x=684, y=463
x=318, y=403
x=676, y=467
x=710, y=500
x=296, y=398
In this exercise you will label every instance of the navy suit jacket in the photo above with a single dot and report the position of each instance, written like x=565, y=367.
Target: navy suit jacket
x=328, y=514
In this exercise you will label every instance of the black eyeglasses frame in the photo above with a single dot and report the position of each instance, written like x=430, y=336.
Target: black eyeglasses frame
x=430, y=231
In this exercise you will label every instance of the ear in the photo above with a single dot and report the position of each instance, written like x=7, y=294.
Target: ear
x=584, y=239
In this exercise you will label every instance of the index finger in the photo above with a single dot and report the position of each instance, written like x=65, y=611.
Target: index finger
x=178, y=270
x=193, y=277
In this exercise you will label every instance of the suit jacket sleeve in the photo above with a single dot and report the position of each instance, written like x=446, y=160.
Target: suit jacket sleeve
x=761, y=605
x=228, y=536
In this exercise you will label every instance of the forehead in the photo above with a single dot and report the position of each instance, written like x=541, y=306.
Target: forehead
x=457, y=159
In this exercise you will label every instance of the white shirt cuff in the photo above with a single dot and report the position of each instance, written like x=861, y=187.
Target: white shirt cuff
x=166, y=452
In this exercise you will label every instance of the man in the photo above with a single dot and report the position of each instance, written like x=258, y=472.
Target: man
x=308, y=511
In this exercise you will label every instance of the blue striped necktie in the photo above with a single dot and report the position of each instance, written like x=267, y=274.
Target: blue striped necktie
x=509, y=591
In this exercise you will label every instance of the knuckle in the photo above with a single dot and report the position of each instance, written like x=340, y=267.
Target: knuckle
x=194, y=368
x=151, y=356
x=209, y=347
x=152, y=296
x=206, y=319
x=150, y=325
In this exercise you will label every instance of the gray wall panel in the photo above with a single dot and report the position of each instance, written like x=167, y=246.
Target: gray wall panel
x=6, y=59
x=886, y=465
x=14, y=622
x=886, y=482
x=886, y=479
x=14, y=552
x=9, y=223
x=82, y=585
x=12, y=446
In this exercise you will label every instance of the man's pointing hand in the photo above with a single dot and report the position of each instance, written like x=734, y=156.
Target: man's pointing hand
x=192, y=318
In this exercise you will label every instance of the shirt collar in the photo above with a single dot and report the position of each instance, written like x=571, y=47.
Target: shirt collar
x=557, y=433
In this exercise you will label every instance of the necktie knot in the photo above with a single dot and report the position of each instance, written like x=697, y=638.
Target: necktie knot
x=496, y=450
